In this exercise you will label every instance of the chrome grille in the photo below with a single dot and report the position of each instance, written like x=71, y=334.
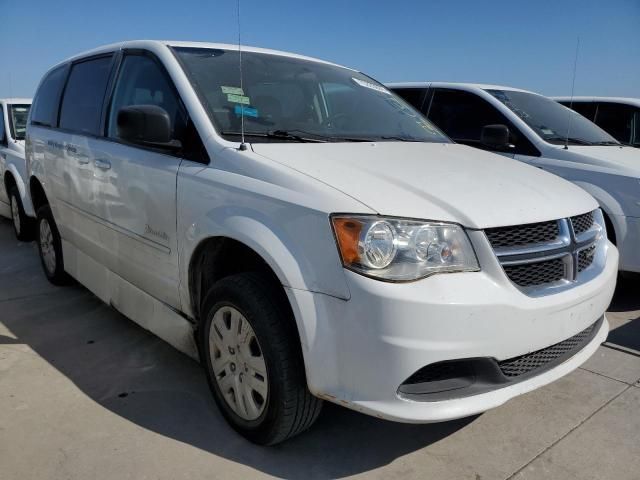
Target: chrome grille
x=538, y=273
x=519, y=235
x=585, y=258
x=551, y=253
x=582, y=223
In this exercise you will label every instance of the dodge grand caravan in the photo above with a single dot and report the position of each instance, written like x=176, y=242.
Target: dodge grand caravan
x=14, y=201
x=308, y=235
x=533, y=129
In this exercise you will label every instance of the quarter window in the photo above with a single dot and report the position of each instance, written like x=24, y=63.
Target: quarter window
x=45, y=106
x=81, y=107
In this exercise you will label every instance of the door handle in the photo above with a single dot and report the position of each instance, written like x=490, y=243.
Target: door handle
x=103, y=164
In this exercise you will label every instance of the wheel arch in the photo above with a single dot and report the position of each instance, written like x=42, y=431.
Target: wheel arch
x=38, y=195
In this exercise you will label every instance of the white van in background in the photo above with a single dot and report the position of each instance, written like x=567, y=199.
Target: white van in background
x=620, y=117
x=534, y=129
x=14, y=199
x=337, y=247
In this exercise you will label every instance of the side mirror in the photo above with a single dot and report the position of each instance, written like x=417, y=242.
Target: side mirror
x=495, y=137
x=147, y=125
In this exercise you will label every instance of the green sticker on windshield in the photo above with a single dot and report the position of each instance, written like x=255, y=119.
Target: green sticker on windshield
x=238, y=99
x=232, y=90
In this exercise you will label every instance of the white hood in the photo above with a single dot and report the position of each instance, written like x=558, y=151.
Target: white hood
x=446, y=182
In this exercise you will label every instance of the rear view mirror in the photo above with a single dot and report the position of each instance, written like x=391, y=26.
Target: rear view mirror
x=147, y=125
x=496, y=137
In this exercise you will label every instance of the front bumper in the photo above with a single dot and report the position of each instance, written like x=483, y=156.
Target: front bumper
x=358, y=352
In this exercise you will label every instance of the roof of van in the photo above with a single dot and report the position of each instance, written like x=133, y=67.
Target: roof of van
x=150, y=44
x=15, y=100
x=455, y=85
x=625, y=100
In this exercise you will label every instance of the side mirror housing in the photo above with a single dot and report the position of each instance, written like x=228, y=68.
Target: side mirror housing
x=496, y=137
x=147, y=125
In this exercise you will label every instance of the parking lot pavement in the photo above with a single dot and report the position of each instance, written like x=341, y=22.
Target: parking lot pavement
x=87, y=394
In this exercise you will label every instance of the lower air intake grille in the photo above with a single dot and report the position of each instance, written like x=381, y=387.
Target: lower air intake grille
x=515, y=367
x=531, y=274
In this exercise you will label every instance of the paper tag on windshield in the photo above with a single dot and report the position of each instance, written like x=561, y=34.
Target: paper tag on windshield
x=232, y=90
x=238, y=99
x=547, y=131
x=372, y=86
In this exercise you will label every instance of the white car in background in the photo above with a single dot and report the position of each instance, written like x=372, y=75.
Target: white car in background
x=14, y=199
x=339, y=247
x=534, y=129
x=618, y=116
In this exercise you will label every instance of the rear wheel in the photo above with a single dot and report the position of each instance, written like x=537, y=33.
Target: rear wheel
x=50, y=247
x=22, y=224
x=251, y=353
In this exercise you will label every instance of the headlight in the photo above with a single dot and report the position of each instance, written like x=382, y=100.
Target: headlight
x=401, y=250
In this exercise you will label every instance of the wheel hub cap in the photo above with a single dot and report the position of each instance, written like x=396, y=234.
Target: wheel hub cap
x=238, y=364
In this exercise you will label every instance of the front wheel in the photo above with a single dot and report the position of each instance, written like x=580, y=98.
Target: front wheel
x=251, y=353
x=50, y=247
x=22, y=224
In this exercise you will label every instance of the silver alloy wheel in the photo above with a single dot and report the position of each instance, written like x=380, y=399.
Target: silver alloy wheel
x=15, y=214
x=46, y=246
x=238, y=364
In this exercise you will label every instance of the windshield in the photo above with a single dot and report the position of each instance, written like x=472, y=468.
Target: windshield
x=551, y=121
x=18, y=121
x=290, y=99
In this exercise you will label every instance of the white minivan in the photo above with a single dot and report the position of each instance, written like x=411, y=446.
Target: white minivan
x=14, y=201
x=534, y=129
x=307, y=235
x=618, y=116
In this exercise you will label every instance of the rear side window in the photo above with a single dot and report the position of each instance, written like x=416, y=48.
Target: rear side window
x=616, y=119
x=45, y=106
x=81, y=107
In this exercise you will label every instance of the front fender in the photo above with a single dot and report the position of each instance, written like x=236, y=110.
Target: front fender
x=609, y=205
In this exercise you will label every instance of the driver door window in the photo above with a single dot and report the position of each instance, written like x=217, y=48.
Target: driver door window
x=142, y=82
x=3, y=132
x=616, y=119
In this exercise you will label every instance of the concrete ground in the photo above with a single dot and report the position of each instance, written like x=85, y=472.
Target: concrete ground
x=87, y=394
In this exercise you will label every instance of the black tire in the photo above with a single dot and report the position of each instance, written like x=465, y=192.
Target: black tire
x=55, y=275
x=290, y=408
x=22, y=224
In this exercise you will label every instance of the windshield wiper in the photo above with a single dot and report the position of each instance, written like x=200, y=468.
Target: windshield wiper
x=279, y=134
x=400, y=139
x=610, y=142
x=579, y=141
